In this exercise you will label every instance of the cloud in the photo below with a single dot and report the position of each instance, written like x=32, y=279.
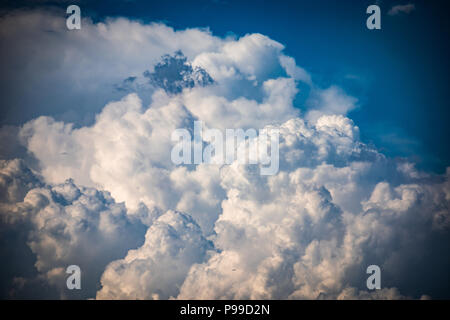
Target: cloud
x=329, y=101
x=15, y=180
x=72, y=75
x=65, y=224
x=130, y=151
x=295, y=71
x=174, y=73
x=157, y=269
x=106, y=195
x=301, y=234
x=398, y=9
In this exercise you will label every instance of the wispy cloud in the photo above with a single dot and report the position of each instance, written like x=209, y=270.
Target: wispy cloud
x=404, y=8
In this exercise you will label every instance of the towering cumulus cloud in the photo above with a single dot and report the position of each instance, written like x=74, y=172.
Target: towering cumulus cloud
x=102, y=192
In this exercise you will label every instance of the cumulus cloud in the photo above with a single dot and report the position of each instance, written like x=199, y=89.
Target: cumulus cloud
x=66, y=224
x=174, y=73
x=157, y=269
x=405, y=9
x=129, y=153
x=107, y=196
x=72, y=75
x=300, y=235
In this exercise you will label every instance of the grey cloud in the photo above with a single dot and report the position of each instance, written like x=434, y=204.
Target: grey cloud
x=174, y=73
x=398, y=9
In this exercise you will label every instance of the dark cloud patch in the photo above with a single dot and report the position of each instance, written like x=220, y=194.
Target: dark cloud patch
x=174, y=73
x=126, y=85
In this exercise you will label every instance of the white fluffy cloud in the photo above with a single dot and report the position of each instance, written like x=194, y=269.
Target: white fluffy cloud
x=129, y=149
x=301, y=233
x=335, y=207
x=158, y=268
x=66, y=225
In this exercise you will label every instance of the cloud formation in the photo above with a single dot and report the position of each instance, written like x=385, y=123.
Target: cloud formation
x=302, y=235
x=157, y=269
x=106, y=196
x=65, y=225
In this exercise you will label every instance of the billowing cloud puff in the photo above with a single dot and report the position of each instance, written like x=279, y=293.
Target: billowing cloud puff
x=158, y=268
x=335, y=206
x=301, y=235
x=67, y=225
x=332, y=101
x=15, y=181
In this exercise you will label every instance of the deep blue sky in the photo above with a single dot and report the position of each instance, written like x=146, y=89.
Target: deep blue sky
x=399, y=73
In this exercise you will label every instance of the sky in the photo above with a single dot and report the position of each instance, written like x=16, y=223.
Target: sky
x=86, y=176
